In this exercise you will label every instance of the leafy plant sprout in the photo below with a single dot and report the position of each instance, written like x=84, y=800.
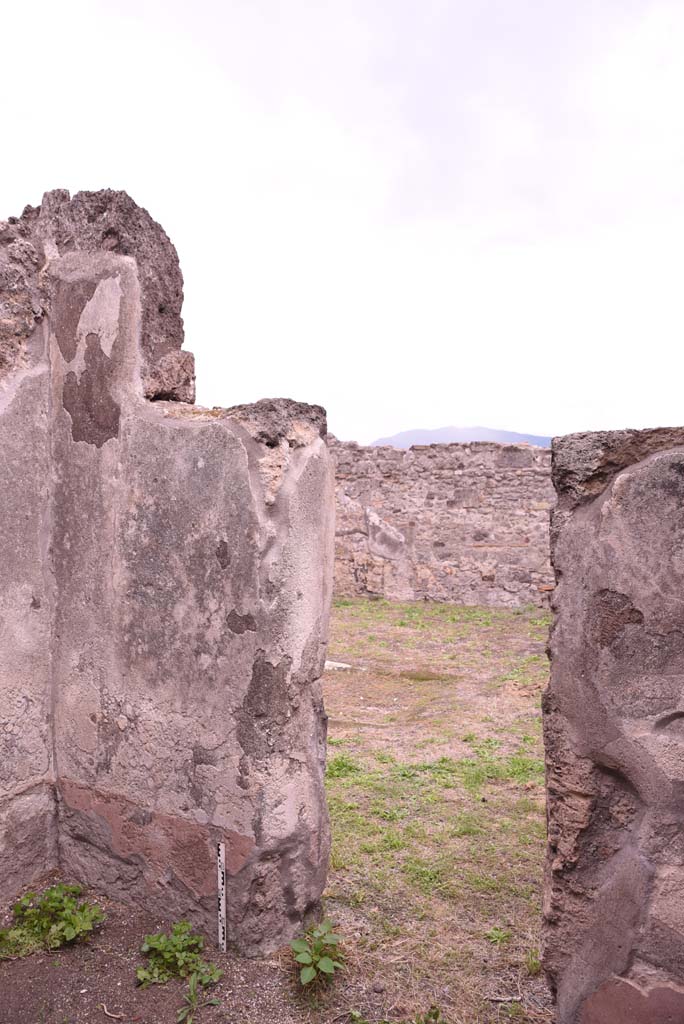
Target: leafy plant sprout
x=47, y=921
x=317, y=953
x=193, y=1001
x=175, y=955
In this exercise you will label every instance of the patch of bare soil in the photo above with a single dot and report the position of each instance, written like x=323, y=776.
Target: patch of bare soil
x=435, y=787
x=94, y=982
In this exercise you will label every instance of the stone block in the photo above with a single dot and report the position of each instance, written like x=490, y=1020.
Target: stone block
x=614, y=730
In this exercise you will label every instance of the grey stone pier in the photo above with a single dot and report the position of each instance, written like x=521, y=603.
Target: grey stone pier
x=165, y=587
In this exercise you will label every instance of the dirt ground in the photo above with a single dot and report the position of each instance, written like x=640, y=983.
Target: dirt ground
x=435, y=787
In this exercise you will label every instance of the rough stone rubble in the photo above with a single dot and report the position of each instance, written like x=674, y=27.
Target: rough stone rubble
x=105, y=221
x=614, y=730
x=164, y=595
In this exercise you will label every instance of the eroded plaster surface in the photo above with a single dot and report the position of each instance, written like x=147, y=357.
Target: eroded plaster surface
x=92, y=222
x=164, y=609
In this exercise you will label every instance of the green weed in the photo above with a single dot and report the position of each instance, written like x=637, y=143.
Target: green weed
x=498, y=936
x=193, y=1000
x=341, y=766
x=467, y=824
x=514, y=1011
x=533, y=962
x=317, y=953
x=47, y=921
x=433, y=1016
x=426, y=875
x=485, y=884
x=421, y=676
x=175, y=955
x=392, y=841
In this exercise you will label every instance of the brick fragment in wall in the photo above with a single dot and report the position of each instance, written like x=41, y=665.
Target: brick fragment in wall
x=164, y=600
x=467, y=523
x=614, y=730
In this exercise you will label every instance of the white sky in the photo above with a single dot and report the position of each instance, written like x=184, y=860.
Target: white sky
x=414, y=212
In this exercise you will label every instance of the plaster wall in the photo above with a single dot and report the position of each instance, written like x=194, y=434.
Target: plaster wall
x=164, y=600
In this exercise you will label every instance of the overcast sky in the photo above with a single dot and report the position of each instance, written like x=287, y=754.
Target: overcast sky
x=414, y=212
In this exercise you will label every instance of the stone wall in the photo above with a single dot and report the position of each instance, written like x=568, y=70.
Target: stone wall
x=164, y=597
x=467, y=523
x=614, y=730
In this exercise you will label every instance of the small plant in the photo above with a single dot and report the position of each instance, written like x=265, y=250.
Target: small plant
x=194, y=1000
x=533, y=962
x=433, y=1016
x=340, y=766
x=467, y=824
x=47, y=921
x=514, y=1011
x=317, y=952
x=498, y=936
x=175, y=955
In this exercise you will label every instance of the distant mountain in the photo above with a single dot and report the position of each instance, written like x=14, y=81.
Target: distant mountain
x=460, y=435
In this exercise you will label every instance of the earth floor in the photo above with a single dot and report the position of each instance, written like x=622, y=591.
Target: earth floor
x=435, y=788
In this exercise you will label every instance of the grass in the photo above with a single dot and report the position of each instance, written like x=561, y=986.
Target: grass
x=533, y=962
x=498, y=936
x=436, y=804
x=341, y=766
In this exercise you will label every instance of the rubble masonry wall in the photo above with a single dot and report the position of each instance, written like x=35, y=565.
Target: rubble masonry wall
x=467, y=523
